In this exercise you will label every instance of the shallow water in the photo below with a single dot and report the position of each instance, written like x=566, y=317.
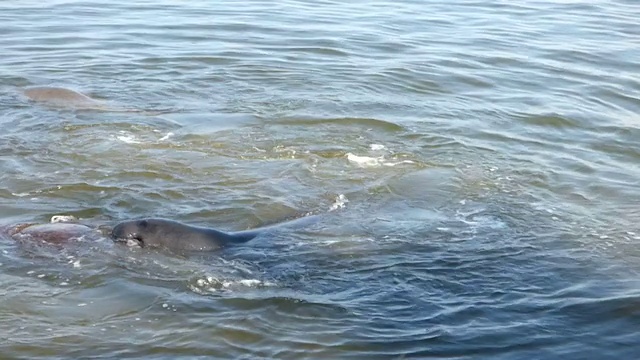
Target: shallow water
x=475, y=165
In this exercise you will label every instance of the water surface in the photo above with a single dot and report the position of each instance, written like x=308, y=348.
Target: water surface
x=475, y=164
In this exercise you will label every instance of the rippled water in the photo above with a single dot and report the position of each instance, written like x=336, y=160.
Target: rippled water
x=480, y=158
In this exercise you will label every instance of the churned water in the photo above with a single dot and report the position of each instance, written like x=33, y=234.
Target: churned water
x=474, y=163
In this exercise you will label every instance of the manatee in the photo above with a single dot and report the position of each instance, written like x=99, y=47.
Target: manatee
x=66, y=98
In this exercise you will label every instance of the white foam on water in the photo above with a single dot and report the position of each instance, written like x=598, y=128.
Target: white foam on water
x=128, y=138
x=484, y=222
x=364, y=161
x=133, y=243
x=166, y=137
x=398, y=163
x=250, y=282
x=340, y=202
x=169, y=307
x=62, y=218
x=368, y=161
x=211, y=284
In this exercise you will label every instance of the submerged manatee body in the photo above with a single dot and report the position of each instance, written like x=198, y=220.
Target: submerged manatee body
x=61, y=229
x=56, y=233
x=61, y=97
x=66, y=98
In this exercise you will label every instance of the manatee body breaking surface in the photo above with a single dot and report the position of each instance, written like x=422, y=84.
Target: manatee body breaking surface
x=57, y=232
x=61, y=97
x=66, y=98
x=174, y=235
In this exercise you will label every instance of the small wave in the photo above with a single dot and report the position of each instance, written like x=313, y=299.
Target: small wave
x=129, y=138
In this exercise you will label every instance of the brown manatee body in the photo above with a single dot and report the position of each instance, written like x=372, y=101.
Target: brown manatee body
x=54, y=233
x=61, y=97
x=66, y=98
